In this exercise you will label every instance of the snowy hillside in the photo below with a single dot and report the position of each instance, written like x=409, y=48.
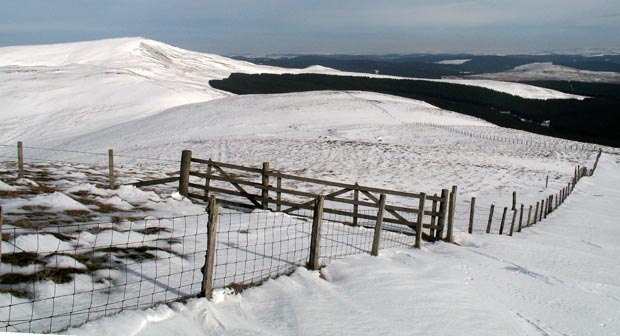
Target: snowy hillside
x=557, y=278
x=149, y=101
x=351, y=136
x=550, y=71
x=53, y=91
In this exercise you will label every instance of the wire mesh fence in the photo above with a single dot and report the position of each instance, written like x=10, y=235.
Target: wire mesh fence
x=60, y=276
x=55, y=277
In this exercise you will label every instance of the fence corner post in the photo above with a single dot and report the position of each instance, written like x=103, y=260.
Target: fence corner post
x=451, y=210
x=20, y=160
x=376, y=241
x=315, y=237
x=265, y=181
x=420, y=222
x=209, y=266
x=186, y=161
x=111, y=176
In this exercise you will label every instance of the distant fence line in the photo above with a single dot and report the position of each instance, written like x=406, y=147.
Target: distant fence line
x=515, y=218
x=515, y=140
x=107, y=157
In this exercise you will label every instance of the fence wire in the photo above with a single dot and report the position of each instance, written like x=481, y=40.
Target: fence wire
x=56, y=277
x=62, y=276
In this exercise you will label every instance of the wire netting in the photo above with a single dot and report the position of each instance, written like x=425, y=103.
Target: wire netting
x=61, y=276
x=55, y=277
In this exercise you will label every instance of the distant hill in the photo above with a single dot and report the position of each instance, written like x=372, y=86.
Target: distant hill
x=427, y=66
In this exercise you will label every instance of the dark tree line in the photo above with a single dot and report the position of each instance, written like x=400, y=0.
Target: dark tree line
x=594, y=119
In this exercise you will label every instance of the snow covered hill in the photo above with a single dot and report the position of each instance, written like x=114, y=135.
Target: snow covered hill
x=550, y=71
x=145, y=98
x=559, y=277
x=49, y=92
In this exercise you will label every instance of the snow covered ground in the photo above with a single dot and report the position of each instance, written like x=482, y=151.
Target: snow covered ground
x=52, y=91
x=559, y=277
x=550, y=71
x=360, y=137
x=146, y=99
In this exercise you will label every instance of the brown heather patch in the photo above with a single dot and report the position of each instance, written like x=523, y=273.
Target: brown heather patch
x=22, y=294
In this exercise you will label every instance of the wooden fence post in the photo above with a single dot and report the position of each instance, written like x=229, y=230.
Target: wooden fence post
x=501, y=226
x=542, y=209
x=490, y=218
x=356, y=199
x=208, y=180
x=315, y=237
x=520, y=219
x=472, y=209
x=443, y=210
x=512, y=224
x=207, y=270
x=420, y=222
x=111, y=177
x=432, y=231
x=535, y=214
x=20, y=160
x=186, y=161
x=265, y=193
x=547, y=182
x=279, y=194
x=514, y=200
x=451, y=210
x=376, y=241
x=529, y=216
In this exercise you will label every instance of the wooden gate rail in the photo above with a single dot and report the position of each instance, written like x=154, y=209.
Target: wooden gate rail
x=263, y=188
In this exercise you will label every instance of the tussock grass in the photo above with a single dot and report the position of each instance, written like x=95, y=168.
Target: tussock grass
x=21, y=258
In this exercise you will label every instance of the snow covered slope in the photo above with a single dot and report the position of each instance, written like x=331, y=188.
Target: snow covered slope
x=360, y=137
x=53, y=91
x=559, y=277
x=550, y=71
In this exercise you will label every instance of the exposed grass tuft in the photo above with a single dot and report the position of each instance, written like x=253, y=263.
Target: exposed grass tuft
x=57, y=275
x=152, y=230
x=141, y=253
x=21, y=258
x=22, y=294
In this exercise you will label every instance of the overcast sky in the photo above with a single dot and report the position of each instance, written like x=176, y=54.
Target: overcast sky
x=321, y=26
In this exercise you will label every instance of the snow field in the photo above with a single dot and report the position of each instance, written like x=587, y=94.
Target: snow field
x=557, y=278
x=45, y=89
x=74, y=97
